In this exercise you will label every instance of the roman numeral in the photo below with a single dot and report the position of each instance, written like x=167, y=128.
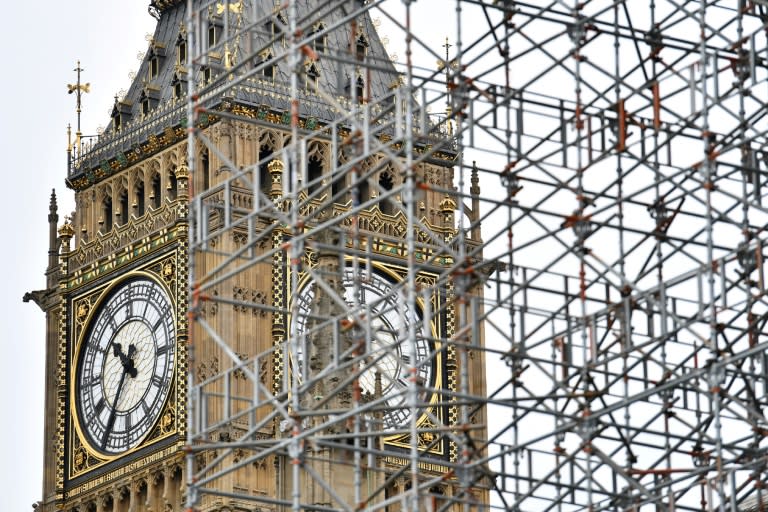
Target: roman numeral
x=163, y=349
x=100, y=406
x=128, y=423
x=157, y=381
x=157, y=324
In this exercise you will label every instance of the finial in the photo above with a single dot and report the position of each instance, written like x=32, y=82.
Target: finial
x=53, y=209
x=474, y=180
x=66, y=231
x=447, y=64
x=78, y=88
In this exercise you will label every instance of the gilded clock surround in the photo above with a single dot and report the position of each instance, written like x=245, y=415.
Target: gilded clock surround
x=93, y=304
x=442, y=326
x=82, y=459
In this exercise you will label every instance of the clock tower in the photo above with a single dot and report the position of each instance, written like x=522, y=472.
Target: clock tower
x=255, y=303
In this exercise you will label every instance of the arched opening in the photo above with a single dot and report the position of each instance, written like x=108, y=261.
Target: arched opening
x=138, y=198
x=314, y=174
x=391, y=491
x=123, y=500
x=176, y=481
x=108, y=503
x=106, y=215
x=338, y=188
x=171, y=187
x=266, y=60
x=141, y=495
x=156, y=192
x=181, y=51
x=213, y=36
x=157, y=481
x=361, y=47
x=363, y=190
x=320, y=42
x=206, y=169
x=360, y=89
x=386, y=182
x=265, y=179
x=123, y=213
x=313, y=76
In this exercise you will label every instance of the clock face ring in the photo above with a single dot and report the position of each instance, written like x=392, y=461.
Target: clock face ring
x=125, y=366
x=390, y=351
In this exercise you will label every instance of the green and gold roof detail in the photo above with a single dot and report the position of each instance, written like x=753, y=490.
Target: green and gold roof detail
x=152, y=114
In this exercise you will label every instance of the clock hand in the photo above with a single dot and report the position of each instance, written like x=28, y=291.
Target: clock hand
x=128, y=368
x=113, y=412
x=128, y=365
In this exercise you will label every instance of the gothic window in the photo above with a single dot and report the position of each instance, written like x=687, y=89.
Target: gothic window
x=361, y=47
x=386, y=183
x=149, y=100
x=212, y=36
x=314, y=174
x=276, y=30
x=269, y=66
x=320, y=42
x=338, y=188
x=121, y=113
x=181, y=52
x=154, y=67
x=106, y=213
x=360, y=89
x=313, y=75
x=155, y=57
x=141, y=491
x=363, y=190
x=171, y=187
x=205, y=164
x=178, y=87
x=138, y=198
x=122, y=213
x=385, y=180
x=156, y=192
x=265, y=157
x=206, y=75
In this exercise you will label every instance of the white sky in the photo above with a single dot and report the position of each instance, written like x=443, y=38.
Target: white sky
x=43, y=41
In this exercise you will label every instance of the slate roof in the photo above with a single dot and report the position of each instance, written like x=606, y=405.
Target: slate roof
x=259, y=91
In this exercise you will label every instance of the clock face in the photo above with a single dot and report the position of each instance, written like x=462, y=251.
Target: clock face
x=125, y=366
x=390, y=352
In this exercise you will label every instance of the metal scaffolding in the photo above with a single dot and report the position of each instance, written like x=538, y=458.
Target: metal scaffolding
x=599, y=256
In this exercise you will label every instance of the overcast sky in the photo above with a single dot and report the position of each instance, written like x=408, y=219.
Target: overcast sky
x=43, y=41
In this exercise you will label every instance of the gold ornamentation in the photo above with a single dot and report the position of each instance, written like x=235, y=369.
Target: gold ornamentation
x=82, y=311
x=169, y=270
x=166, y=422
x=81, y=457
x=66, y=231
x=236, y=8
x=182, y=172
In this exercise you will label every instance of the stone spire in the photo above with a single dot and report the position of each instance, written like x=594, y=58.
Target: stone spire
x=53, y=241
